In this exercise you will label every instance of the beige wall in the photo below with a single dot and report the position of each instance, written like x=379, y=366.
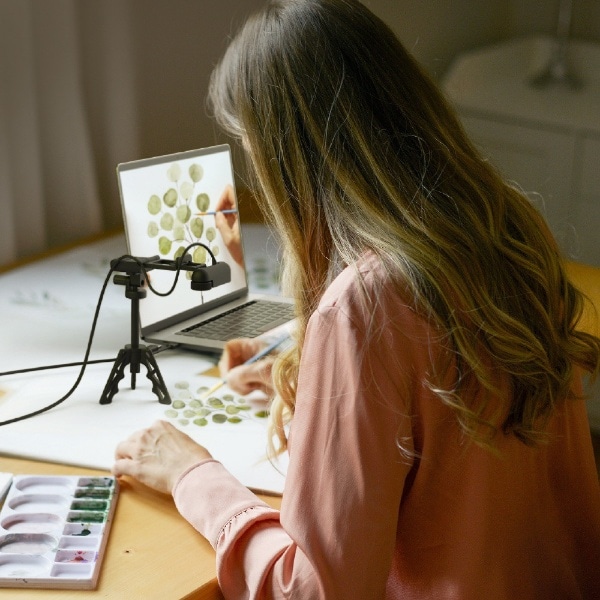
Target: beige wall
x=176, y=42
x=436, y=30
x=540, y=16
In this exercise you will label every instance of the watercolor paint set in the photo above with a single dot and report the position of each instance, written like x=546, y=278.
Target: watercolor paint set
x=54, y=530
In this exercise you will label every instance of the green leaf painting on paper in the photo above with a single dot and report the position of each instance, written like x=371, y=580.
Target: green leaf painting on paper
x=191, y=408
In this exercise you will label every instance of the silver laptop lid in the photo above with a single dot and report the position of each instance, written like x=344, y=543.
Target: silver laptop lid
x=161, y=198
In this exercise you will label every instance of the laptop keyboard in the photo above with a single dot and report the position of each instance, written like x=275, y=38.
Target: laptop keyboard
x=247, y=320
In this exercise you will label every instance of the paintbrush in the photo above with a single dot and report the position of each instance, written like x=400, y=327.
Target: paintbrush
x=229, y=211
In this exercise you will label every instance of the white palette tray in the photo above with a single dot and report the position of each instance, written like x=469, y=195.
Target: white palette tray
x=54, y=530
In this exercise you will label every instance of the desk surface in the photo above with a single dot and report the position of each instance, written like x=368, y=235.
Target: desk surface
x=152, y=552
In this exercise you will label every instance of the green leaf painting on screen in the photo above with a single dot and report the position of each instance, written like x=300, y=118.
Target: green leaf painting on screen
x=174, y=222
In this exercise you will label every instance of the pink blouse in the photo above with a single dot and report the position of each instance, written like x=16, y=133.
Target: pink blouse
x=360, y=519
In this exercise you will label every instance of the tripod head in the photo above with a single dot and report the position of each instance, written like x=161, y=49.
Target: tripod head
x=204, y=277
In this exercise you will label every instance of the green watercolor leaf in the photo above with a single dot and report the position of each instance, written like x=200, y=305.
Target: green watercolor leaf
x=196, y=172
x=187, y=189
x=153, y=229
x=183, y=213
x=199, y=255
x=164, y=245
x=202, y=202
x=154, y=204
x=178, y=233
x=166, y=222
x=170, y=197
x=197, y=227
x=174, y=172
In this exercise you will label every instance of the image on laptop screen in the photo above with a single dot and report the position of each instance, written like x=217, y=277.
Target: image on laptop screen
x=161, y=199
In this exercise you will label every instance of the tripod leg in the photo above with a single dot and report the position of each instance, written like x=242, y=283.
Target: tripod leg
x=154, y=375
x=117, y=373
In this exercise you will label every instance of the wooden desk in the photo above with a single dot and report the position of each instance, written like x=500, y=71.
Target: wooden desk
x=587, y=279
x=152, y=553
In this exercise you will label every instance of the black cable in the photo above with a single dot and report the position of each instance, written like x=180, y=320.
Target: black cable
x=47, y=367
x=83, y=364
x=154, y=349
x=86, y=360
x=178, y=262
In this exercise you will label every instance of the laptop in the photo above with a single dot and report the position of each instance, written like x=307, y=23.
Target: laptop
x=168, y=203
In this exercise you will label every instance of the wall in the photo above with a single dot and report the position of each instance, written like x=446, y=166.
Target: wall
x=437, y=30
x=539, y=16
x=175, y=44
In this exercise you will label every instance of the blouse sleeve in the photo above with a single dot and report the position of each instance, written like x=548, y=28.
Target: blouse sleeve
x=336, y=533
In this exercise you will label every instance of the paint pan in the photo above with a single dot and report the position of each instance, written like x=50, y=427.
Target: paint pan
x=54, y=530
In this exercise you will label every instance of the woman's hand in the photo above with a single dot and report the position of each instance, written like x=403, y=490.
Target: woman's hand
x=158, y=456
x=229, y=225
x=246, y=378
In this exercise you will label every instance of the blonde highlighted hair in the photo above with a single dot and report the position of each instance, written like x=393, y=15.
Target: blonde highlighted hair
x=353, y=148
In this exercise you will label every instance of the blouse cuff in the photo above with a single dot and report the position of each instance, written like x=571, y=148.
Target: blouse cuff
x=210, y=498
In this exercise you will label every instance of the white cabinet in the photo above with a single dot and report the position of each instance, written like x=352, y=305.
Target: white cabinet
x=545, y=139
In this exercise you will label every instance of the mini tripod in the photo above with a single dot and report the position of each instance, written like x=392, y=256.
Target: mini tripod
x=134, y=354
x=203, y=278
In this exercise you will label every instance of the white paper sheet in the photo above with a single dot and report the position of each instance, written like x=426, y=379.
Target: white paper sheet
x=46, y=313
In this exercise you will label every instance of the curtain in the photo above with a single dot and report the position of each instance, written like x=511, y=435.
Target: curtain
x=66, y=118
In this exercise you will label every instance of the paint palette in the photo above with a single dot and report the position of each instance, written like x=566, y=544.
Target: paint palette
x=54, y=529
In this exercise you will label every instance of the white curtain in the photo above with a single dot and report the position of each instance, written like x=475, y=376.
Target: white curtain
x=67, y=116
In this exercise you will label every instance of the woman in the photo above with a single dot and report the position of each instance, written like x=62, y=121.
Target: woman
x=439, y=446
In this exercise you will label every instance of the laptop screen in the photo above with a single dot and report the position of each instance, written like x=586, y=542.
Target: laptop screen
x=164, y=202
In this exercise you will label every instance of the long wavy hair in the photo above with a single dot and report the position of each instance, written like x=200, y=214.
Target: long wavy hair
x=352, y=148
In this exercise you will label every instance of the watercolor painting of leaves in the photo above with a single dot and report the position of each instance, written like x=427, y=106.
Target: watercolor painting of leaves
x=173, y=222
x=189, y=408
